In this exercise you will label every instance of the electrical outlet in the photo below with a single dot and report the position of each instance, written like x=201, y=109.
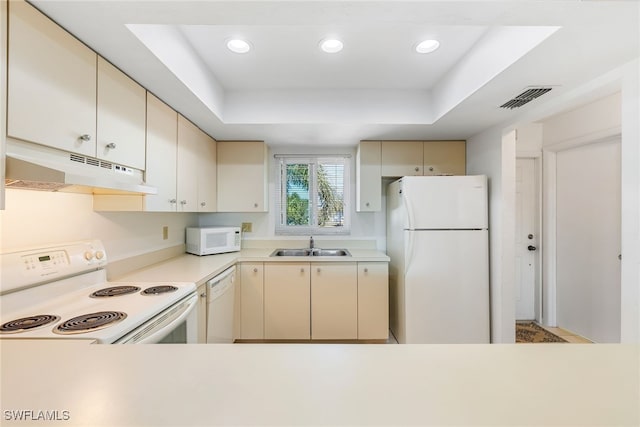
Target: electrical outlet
x=246, y=227
x=165, y=232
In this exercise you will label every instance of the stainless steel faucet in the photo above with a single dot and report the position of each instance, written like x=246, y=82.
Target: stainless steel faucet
x=311, y=244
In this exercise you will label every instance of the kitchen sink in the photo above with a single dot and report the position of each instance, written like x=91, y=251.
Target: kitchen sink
x=310, y=252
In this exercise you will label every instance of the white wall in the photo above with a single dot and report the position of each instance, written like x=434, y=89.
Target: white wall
x=492, y=153
x=364, y=225
x=34, y=218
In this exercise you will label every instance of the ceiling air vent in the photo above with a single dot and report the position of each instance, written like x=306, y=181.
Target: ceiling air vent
x=525, y=97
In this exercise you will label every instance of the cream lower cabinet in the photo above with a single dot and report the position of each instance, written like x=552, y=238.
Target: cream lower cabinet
x=373, y=300
x=202, y=314
x=287, y=302
x=334, y=300
x=251, y=301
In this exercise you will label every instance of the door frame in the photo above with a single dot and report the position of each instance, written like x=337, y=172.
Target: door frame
x=537, y=178
x=549, y=211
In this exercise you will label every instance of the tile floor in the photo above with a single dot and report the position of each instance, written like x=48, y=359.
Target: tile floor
x=567, y=336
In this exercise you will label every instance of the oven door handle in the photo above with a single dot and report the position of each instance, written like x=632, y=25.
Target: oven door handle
x=160, y=328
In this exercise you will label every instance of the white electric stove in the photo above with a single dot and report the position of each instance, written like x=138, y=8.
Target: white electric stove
x=61, y=291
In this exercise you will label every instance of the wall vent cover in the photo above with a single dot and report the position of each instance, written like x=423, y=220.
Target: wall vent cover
x=525, y=97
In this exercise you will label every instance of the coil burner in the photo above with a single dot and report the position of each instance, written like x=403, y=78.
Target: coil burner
x=89, y=322
x=27, y=323
x=157, y=290
x=114, y=291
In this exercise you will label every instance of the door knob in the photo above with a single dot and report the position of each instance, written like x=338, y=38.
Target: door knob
x=531, y=248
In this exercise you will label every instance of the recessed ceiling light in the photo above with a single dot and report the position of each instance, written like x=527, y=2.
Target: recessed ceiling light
x=238, y=46
x=331, y=45
x=427, y=46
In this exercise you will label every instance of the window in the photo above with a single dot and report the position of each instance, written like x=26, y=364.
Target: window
x=313, y=195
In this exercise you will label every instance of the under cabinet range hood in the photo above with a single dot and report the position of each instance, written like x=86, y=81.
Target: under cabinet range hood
x=36, y=167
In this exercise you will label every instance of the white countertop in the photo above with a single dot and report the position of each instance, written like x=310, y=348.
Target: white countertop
x=321, y=384
x=199, y=269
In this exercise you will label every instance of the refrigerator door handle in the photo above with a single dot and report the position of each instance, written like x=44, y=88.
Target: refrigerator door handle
x=409, y=249
x=408, y=209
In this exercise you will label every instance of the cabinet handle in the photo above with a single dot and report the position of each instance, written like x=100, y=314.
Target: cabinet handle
x=110, y=145
x=172, y=201
x=367, y=204
x=255, y=205
x=417, y=169
x=302, y=270
x=318, y=270
x=431, y=169
x=183, y=202
x=366, y=270
x=203, y=203
x=85, y=138
x=203, y=295
x=255, y=270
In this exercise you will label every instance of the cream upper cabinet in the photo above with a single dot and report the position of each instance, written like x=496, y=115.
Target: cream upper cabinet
x=187, y=165
x=242, y=176
x=334, y=300
x=121, y=109
x=207, y=176
x=402, y=158
x=287, y=301
x=251, y=301
x=202, y=314
x=368, y=177
x=444, y=157
x=162, y=132
x=373, y=300
x=51, y=83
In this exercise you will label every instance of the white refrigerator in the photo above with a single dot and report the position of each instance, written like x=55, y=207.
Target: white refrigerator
x=437, y=239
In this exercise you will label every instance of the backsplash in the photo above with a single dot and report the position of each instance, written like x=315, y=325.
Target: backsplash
x=34, y=218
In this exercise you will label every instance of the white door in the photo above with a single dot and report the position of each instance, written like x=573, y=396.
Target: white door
x=526, y=239
x=588, y=241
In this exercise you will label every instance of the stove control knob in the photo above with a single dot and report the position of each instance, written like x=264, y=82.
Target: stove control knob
x=99, y=255
x=88, y=255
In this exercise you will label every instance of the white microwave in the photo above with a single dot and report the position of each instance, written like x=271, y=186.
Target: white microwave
x=213, y=240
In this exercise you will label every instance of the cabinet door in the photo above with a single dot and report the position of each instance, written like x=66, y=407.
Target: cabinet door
x=207, y=176
x=287, y=301
x=242, y=176
x=401, y=158
x=444, y=157
x=51, y=83
x=369, y=177
x=251, y=301
x=162, y=131
x=187, y=169
x=121, y=117
x=202, y=314
x=373, y=300
x=334, y=300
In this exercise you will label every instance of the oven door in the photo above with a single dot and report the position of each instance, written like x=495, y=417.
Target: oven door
x=177, y=324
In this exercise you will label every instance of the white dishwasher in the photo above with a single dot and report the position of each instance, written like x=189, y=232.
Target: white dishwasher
x=220, y=304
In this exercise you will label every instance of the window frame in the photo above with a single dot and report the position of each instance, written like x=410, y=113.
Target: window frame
x=280, y=162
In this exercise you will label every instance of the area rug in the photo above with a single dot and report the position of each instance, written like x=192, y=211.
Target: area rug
x=529, y=332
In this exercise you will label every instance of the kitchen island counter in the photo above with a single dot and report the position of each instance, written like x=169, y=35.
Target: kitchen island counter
x=321, y=384
x=199, y=269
